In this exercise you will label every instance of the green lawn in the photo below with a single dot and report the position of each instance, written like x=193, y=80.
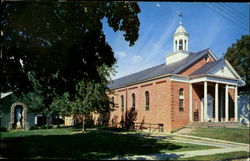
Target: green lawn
x=240, y=135
x=69, y=143
x=227, y=156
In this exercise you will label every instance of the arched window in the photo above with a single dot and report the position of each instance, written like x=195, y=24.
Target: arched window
x=181, y=99
x=133, y=100
x=180, y=44
x=113, y=102
x=122, y=103
x=147, y=100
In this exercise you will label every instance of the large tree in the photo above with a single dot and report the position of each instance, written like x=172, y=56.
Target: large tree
x=49, y=48
x=239, y=56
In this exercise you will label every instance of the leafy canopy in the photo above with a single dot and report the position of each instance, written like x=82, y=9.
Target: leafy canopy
x=58, y=51
x=239, y=56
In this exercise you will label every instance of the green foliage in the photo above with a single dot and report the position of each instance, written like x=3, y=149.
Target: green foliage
x=66, y=61
x=130, y=118
x=239, y=56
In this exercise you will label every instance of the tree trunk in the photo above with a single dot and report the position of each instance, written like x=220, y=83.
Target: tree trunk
x=58, y=121
x=83, y=123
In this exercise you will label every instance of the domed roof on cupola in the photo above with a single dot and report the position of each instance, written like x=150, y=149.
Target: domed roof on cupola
x=180, y=29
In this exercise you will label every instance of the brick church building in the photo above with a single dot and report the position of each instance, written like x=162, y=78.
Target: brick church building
x=188, y=87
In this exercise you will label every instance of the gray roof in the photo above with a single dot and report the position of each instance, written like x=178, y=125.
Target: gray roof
x=207, y=67
x=162, y=69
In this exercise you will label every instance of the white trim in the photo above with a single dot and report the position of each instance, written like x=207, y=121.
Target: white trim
x=180, y=79
x=190, y=103
x=231, y=87
x=232, y=69
x=212, y=54
x=214, y=79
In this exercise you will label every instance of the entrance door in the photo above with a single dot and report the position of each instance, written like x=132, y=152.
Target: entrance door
x=196, y=115
x=210, y=103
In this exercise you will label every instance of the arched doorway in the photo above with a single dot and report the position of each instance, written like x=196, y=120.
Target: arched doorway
x=210, y=104
x=18, y=116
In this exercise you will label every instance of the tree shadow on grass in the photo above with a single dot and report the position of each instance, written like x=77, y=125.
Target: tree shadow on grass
x=89, y=145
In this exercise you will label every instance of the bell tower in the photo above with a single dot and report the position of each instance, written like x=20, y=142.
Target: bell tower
x=180, y=44
x=180, y=38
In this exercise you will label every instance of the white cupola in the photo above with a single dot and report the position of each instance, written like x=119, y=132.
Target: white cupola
x=180, y=38
x=180, y=45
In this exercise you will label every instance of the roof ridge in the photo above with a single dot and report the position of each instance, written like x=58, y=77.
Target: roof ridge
x=191, y=61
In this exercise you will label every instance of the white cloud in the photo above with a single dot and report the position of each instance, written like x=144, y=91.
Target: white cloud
x=136, y=59
x=121, y=54
x=158, y=5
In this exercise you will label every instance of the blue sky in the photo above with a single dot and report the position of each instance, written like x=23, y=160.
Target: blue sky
x=158, y=22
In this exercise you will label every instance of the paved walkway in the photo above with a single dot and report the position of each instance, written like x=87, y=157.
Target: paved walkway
x=221, y=147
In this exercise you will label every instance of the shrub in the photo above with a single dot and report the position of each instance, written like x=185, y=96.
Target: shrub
x=3, y=129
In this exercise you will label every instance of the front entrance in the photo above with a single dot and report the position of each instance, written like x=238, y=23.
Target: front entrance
x=210, y=103
x=196, y=115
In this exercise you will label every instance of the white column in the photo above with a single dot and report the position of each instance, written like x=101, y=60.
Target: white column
x=236, y=104
x=226, y=103
x=205, y=102
x=202, y=114
x=178, y=45
x=221, y=104
x=216, y=103
x=190, y=103
x=174, y=46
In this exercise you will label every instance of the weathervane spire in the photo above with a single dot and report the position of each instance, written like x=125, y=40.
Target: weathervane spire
x=180, y=15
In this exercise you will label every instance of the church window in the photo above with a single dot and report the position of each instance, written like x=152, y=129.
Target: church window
x=180, y=44
x=147, y=100
x=133, y=100
x=181, y=99
x=113, y=102
x=122, y=103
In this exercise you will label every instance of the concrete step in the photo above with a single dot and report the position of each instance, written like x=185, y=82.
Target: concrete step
x=215, y=124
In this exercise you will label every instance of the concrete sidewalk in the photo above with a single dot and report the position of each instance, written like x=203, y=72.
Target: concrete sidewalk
x=221, y=147
x=186, y=154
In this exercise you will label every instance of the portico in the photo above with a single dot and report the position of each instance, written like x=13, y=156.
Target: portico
x=218, y=99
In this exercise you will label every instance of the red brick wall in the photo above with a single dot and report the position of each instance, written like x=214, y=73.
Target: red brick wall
x=195, y=66
x=179, y=118
x=159, y=108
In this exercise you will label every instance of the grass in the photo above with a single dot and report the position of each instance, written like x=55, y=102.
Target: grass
x=240, y=135
x=69, y=143
x=223, y=156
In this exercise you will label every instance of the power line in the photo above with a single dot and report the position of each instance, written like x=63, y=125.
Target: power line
x=229, y=13
x=224, y=16
x=237, y=12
